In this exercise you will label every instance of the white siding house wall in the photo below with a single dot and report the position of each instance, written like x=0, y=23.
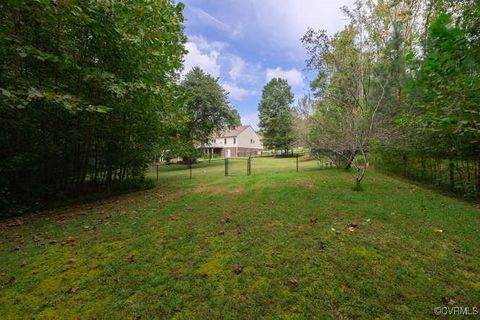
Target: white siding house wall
x=248, y=138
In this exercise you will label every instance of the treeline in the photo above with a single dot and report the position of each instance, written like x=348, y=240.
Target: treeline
x=85, y=90
x=91, y=92
x=400, y=82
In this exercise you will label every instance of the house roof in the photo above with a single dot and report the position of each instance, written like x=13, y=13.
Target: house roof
x=231, y=132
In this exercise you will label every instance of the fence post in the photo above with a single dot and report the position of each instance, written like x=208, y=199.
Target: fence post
x=157, y=171
x=249, y=165
x=297, y=162
x=226, y=167
x=190, y=167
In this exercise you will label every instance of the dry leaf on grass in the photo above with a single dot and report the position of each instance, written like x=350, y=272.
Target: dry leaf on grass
x=72, y=290
x=225, y=220
x=70, y=240
x=294, y=282
x=12, y=280
x=237, y=268
x=16, y=222
x=449, y=300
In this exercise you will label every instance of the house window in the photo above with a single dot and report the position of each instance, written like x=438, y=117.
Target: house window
x=252, y=141
x=225, y=140
x=234, y=140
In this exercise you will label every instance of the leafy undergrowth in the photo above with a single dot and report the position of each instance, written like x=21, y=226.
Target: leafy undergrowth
x=277, y=244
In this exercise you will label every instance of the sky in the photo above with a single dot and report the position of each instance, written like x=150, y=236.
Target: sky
x=245, y=43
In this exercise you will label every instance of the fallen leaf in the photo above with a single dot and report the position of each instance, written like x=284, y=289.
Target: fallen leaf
x=53, y=241
x=12, y=280
x=16, y=222
x=136, y=318
x=294, y=282
x=71, y=261
x=351, y=229
x=131, y=259
x=322, y=245
x=221, y=233
x=448, y=300
x=24, y=263
x=70, y=240
x=439, y=230
x=72, y=290
x=2, y=274
x=225, y=220
x=313, y=220
x=237, y=268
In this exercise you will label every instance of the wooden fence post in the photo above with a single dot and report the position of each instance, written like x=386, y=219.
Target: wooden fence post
x=297, y=162
x=226, y=167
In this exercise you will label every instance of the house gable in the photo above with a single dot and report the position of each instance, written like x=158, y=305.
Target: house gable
x=248, y=138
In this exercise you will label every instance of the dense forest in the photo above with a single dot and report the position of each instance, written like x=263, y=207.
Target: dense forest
x=399, y=84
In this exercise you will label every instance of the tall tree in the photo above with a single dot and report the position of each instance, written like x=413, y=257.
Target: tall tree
x=206, y=110
x=85, y=87
x=275, y=113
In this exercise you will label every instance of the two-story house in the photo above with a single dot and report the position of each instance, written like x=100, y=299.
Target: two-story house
x=241, y=141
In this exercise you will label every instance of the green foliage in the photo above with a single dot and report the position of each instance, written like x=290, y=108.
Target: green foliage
x=205, y=110
x=275, y=113
x=86, y=89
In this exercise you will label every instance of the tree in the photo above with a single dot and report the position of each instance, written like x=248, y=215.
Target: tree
x=303, y=112
x=206, y=110
x=276, y=119
x=349, y=95
x=85, y=89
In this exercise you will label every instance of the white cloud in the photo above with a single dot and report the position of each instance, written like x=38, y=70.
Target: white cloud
x=206, y=60
x=251, y=119
x=293, y=76
x=236, y=92
x=207, y=18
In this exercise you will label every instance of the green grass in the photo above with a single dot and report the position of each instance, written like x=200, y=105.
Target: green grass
x=169, y=252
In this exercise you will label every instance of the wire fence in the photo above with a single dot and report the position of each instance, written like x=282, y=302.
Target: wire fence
x=461, y=176
x=239, y=166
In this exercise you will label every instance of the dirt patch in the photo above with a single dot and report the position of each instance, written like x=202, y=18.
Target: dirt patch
x=216, y=189
x=304, y=184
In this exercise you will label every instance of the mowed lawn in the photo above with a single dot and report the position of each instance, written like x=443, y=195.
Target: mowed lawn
x=304, y=245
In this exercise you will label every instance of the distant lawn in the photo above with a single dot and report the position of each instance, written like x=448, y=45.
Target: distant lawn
x=309, y=246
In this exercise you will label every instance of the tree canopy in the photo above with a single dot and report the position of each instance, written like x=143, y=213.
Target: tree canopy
x=86, y=90
x=275, y=113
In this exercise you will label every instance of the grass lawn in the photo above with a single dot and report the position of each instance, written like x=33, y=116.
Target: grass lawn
x=306, y=246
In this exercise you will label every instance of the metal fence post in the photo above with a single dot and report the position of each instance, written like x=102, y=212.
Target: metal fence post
x=190, y=167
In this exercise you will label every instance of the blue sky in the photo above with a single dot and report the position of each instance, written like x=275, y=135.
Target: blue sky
x=247, y=42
